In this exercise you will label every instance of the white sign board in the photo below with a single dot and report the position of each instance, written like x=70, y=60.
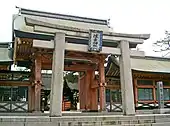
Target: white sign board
x=160, y=94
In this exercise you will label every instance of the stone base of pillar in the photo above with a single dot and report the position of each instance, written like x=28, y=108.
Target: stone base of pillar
x=37, y=112
x=52, y=115
x=161, y=111
x=128, y=114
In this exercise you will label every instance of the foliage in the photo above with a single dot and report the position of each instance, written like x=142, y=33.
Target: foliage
x=163, y=45
x=71, y=77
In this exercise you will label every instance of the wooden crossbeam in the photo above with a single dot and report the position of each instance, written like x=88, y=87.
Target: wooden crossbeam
x=76, y=67
x=15, y=83
x=107, y=86
x=73, y=56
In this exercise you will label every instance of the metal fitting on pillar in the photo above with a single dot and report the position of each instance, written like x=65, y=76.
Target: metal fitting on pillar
x=102, y=84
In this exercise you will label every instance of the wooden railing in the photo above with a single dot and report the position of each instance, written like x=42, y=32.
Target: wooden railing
x=13, y=106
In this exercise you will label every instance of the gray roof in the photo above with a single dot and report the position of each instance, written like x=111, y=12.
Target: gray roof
x=143, y=64
x=63, y=16
x=5, y=53
x=58, y=19
x=28, y=19
x=151, y=64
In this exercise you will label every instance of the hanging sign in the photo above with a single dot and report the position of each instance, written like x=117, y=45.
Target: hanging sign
x=95, y=41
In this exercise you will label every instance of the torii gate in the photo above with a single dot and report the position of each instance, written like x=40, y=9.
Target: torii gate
x=59, y=45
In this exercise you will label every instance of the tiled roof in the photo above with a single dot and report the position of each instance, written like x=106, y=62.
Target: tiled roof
x=143, y=64
x=5, y=53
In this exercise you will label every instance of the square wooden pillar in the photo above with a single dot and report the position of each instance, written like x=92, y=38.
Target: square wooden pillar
x=31, y=90
x=32, y=98
x=37, y=83
x=29, y=98
x=102, y=84
x=82, y=92
x=88, y=95
x=93, y=92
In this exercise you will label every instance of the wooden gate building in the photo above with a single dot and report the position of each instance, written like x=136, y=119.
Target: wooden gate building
x=49, y=41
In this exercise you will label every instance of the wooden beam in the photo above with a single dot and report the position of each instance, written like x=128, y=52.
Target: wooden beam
x=156, y=76
x=93, y=57
x=76, y=67
x=107, y=86
x=47, y=58
x=15, y=83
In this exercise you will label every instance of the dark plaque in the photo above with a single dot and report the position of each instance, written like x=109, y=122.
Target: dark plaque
x=95, y=41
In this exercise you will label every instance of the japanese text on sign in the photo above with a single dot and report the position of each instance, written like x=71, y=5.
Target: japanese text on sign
x=95, y=41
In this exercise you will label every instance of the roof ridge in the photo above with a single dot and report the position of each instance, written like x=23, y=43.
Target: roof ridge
x=63, y=16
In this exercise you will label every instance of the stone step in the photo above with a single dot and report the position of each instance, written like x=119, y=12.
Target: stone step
x=143, y=120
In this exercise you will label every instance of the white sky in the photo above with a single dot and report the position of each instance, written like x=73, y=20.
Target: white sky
x=127, y=16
